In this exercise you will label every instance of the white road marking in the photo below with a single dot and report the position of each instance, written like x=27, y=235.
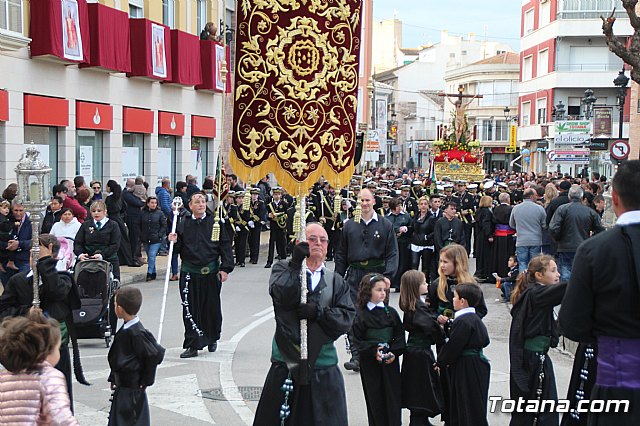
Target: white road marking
x=86, y=415
x=263, y=312
x=229, y=387
x=188, y=402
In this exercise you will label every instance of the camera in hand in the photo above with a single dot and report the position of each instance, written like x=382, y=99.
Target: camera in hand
x=384, y=351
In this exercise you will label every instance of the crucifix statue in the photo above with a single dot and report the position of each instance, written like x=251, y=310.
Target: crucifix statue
x=459, y=122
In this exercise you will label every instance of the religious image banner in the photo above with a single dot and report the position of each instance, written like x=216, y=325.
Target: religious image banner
x=296, y=82
x=71, y=35
x=158, y=52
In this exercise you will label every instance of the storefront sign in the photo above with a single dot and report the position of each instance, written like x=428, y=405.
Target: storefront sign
x=94, y=116
x=599, y=145
x=571, y=138
x=130, y=161
x=203, y=127
x=573, y=126
x=136, y=120
x=45, y=111
x=513, y=139
x=4, y=105
x=170, y=123
x=602, y=121
x=576, y=156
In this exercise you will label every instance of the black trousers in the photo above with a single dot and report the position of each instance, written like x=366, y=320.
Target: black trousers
x=241, y=245
x=254, y=242
x=277, y=241
x=134, y=238
x=429, y=263
x=468, y=228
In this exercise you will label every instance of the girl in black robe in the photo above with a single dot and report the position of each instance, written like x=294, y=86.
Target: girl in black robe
x=484, y=239
x=468, y=369
x=380, y=339
x=533, y=332
x=453, y=269
x=421, y=392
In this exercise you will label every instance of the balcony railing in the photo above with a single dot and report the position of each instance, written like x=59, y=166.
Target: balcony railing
x=589, y=9
x=588, y=67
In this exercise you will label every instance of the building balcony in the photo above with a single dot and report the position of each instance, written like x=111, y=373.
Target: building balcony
x=573, y=78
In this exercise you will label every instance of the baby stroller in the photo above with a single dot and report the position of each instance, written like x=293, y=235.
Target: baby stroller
x=96, y=317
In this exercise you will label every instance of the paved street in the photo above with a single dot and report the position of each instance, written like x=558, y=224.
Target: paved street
x=184, y=389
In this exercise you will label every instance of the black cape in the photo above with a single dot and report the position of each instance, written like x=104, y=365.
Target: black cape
x=468, y=375
x=133, y=358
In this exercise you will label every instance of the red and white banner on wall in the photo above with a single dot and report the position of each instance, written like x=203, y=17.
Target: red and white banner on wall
x=71, y=35
x=158, y=51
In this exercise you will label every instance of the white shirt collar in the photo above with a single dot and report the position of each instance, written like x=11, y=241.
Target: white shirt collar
x=372, y=306
x=202, y=218
x=374, y=217
x=316, y=276
x=465, y=311
x=130, y=323
x=629, y=218
x=102, y=222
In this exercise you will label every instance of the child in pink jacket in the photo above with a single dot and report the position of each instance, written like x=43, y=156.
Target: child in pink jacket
x=32, y=391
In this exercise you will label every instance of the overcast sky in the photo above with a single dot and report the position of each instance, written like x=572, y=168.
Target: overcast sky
x=423, y=19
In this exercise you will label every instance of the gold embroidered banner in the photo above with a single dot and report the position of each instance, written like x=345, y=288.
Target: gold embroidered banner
x=295, y=97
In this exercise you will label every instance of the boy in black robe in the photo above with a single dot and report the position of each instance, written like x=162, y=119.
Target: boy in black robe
x=462, y=355
x=133, y=358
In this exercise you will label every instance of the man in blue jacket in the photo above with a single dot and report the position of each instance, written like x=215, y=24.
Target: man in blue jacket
x=21, y=246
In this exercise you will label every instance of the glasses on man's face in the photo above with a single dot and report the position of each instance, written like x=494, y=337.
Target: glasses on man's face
x=314, y=239
x=96, y=187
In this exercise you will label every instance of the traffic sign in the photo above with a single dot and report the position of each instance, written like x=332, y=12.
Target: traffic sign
x=620, y=149
x=577, y=156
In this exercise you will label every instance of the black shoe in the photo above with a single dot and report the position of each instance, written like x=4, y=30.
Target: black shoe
x=254, y=262
x=153, y=276
x=149, y=277
x=213, y=347
x=135, y=264
x=353, y=364
x=189, y=353
x=268, y=265
x=241, y=265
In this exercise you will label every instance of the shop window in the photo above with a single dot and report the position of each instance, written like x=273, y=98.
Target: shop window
x=89, y=154
x=45, y=140
x=166, y=159
x=132, y=156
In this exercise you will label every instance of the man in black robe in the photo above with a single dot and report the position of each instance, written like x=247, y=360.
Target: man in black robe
x=601, y=303
x=329, y=314
x=368, y=246
x=205, y=266
x=504, y=242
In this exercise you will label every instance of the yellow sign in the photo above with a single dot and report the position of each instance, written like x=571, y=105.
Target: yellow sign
x=513, y=140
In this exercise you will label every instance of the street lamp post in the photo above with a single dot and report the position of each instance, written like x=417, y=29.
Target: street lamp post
x=621, y=82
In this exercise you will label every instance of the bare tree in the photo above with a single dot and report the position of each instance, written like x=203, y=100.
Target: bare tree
x=628, y=52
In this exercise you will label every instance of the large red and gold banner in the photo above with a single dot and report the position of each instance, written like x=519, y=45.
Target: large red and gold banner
x=295, y=98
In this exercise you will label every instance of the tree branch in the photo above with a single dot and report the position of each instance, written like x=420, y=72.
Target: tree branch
x=630, y=7
x=630, y=55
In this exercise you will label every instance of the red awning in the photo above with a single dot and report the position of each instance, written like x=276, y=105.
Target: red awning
x=45, y=111
x=60, y=28
x=185, y=58
x=170, y=123
x=109, y=34
x=203, y=127
x=136, y=120
x=94, y=116
x=211, y=54
x=4, y=105
x=150, y=49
